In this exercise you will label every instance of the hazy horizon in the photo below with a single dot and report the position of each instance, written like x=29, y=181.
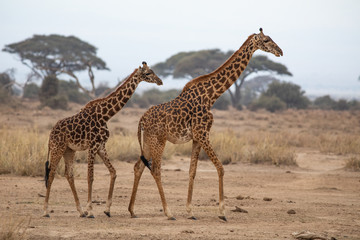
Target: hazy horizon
x=320, y=39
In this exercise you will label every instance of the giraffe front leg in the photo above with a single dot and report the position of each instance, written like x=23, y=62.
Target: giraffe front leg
x=220, y=170
x=192, y=172
x=89, y=207
x=103, y=154
x=202, y=135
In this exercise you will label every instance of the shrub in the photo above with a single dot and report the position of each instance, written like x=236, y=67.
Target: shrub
x=222, y=103
x=49, y=88
x=270, y=103
x=289, y=93
x=70, y=90
x=353, y=163
x=31, y=91
x=57, y=102
x=324, y=102
x=270, y=153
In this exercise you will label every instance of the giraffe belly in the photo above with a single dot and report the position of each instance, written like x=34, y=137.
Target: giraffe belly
x=78, y=147
x=179, y=138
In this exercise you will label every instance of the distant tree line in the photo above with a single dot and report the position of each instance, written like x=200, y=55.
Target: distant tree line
x=53, y=56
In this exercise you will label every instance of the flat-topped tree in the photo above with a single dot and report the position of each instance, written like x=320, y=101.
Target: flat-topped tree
x=55, y=54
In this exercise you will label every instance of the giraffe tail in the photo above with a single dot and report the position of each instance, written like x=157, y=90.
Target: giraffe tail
x=47, y=169
x=146, y=162
x=143, y=159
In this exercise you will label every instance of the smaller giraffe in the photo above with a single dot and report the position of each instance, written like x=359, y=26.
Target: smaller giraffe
x=87, y=130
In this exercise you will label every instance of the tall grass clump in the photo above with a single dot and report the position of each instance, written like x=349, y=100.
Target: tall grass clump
x=339, y=144
x=23, y=151
x=268, y=152
x=13, y=229
x=123, y=147
x=353, y=163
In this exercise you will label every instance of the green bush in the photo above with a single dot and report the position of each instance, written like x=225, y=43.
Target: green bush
x=270, y=103
x=70, y=90
x=324, y=102
x=49, y=88
x=222, y=103
x=291, y=94
x=57, y=102
x=31, y=91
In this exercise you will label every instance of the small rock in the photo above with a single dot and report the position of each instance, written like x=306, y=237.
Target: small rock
x=267, y=199
x=288, y=172
x=291, y=211
x=52, y=211
x=237, y=209
x=188, y=231
x=239, y=197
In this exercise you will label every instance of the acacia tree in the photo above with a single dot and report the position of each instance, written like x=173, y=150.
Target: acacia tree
x=55, y=54
x=193, y=64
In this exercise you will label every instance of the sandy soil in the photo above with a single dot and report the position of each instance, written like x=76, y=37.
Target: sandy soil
x=325, y=197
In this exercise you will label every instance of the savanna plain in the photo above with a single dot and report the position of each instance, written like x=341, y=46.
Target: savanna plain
x=285, y=172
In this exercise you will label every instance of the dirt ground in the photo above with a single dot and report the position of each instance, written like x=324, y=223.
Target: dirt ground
x=324, y=197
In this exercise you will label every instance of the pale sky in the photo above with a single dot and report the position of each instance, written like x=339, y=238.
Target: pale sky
x=320, y=39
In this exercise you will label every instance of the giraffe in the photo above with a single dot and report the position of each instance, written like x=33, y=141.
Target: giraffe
x=188, y=117
x=87, y=130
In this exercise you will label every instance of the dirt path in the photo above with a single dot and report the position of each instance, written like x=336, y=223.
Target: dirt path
x=325, y=198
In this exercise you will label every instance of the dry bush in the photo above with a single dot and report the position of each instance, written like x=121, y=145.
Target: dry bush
x=268, y=152
x=13, y=229
x=123, y=147
x=353, y=163
x=23, y=152
x=339, y=144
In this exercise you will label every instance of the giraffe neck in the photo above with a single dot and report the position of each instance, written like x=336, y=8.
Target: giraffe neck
x=216, y=83
x=108, y=106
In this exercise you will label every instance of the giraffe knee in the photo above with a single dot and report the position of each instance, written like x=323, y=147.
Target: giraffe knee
x=221, y=171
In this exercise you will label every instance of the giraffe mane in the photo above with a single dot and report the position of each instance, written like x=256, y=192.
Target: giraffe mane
x=95, y=101
x=203, y=77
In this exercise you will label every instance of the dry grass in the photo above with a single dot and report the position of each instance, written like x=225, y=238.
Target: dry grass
x=23, y=151
x=257, y=137
x=269, y=152
x=353, y=163
x=12, y=228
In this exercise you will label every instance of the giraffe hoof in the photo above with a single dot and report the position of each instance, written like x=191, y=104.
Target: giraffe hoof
x=134, y=216
x=223, y=218
x=46, y=215
x=82, y=215
x=107, y=213
x=192, y=218
x=90, y=216
x=85, y=213
x=171, y=218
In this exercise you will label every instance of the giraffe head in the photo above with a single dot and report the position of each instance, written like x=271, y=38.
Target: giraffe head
x=266, y=44
x=148, y=75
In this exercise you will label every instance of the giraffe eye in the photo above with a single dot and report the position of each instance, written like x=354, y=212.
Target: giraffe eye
x=147, y=74
x=266, y=40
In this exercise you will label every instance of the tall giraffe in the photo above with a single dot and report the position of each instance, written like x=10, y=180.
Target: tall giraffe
x=87, y=130
x=188, y=117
